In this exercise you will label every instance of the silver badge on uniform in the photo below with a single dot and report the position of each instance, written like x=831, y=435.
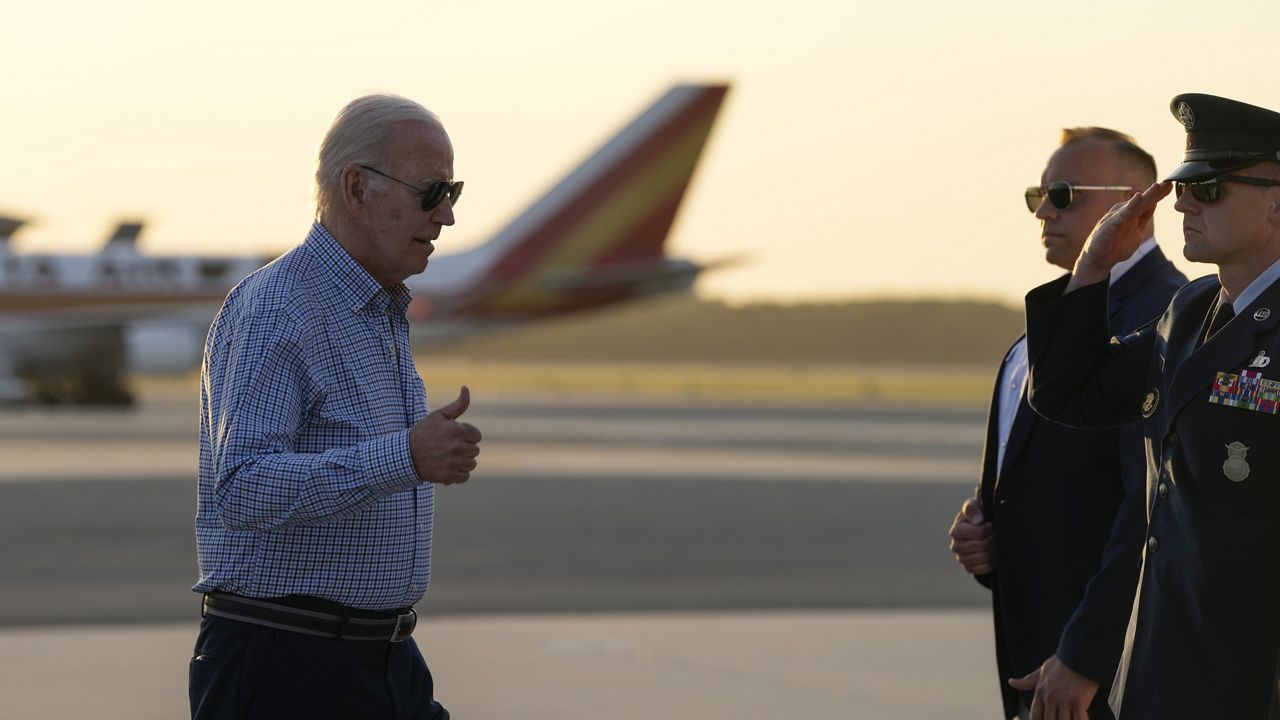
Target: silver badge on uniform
x=1235, y=468
x=1261, y=314
x=1260, y=360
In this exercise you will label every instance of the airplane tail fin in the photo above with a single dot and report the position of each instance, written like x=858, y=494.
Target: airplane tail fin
x=125, y=237
x=8, y=227
x=607, y=220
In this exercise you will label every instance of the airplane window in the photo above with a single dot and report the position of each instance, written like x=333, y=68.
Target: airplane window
x=210, y=271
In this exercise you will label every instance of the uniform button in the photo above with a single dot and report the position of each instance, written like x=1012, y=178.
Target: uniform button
x=1162, y=490
x=1173, y=438
x=1152, y=545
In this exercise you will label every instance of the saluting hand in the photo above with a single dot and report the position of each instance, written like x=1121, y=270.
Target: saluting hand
x=1117, y=235
x=444, y=450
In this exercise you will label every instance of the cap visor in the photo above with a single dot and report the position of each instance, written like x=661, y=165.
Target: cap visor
x=1204, y=169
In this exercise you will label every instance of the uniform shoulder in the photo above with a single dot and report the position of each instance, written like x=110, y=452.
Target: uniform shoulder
x=1170, y=274
x=1195, y=289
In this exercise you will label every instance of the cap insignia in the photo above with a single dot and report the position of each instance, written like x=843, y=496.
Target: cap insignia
x=1186, y=116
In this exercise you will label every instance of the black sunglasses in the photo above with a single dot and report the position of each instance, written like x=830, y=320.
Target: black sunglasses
x=1062, y=194
x=434, y=193
x=1209, y=191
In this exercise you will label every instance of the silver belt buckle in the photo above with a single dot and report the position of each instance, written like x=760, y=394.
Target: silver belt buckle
x=404, y=626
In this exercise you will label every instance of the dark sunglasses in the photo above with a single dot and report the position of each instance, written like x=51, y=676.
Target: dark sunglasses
x=1209, y=191
x=433, y=194
x=1062, y=194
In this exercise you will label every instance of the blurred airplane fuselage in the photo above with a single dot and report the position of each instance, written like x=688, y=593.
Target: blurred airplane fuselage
x=73, y=326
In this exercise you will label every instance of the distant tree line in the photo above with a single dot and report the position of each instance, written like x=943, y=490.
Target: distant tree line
x=905, y=332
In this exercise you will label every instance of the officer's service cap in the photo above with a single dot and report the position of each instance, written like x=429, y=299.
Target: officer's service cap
x=1223, y=135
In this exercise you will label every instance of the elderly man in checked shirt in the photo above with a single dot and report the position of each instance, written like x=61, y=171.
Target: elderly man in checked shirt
x=318, y=457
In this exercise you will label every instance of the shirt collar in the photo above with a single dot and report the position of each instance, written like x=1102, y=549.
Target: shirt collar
x=356, y=286
x=1124, y=266
x=1255, y=288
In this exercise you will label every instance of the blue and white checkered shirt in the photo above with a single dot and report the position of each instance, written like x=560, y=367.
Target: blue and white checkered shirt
x=307, y=393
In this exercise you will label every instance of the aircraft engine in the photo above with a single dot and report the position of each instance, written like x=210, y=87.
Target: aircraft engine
x=163, y=348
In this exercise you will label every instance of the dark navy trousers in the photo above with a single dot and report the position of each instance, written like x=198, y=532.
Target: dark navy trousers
x=249, y=672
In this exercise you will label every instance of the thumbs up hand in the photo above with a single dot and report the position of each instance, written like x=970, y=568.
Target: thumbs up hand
x=443, y=449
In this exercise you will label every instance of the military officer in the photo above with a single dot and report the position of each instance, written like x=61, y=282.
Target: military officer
x=1203, y=639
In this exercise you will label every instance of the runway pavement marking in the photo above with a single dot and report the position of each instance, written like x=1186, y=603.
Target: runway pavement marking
x=50, y=460
x=753, y=426
x=965, y=435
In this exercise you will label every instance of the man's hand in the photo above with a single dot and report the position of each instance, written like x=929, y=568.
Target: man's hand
x=1117, y=235
x=971, y=539
x=1061, y=693
x=444, y=450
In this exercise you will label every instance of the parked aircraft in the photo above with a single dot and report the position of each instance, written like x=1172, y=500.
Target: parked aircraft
x=73, y=327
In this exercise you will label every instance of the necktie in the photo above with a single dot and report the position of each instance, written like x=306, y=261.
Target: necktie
x=1221, y=317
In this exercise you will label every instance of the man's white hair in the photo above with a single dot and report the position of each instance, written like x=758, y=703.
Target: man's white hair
x=361, y=134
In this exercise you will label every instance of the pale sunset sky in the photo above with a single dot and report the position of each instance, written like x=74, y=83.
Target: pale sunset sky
x=866, y=149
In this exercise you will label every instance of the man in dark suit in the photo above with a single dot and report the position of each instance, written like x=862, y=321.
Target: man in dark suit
x=1064, y=506
x=1205, y=634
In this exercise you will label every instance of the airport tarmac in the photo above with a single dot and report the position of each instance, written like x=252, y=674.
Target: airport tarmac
x=612, y=557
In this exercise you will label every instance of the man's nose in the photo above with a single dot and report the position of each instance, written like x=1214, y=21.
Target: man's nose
x=1045, y=210
x=443, y=212
x=1186, y=203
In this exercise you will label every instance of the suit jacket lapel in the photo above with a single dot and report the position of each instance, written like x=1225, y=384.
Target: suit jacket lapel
x=1024, y=418
x=1227, y=351
x=991, y=450
x=1023, y=421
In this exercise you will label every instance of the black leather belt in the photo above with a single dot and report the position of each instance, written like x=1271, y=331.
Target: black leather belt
x=309, y=622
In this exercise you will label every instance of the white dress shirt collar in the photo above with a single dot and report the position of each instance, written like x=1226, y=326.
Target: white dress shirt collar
x=1255, y=288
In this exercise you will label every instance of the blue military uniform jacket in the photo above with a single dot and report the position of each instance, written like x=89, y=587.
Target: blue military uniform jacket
x=1205, y=638
x=1065, y=579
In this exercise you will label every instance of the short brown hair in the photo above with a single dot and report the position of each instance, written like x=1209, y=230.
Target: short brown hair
x=1124, y=144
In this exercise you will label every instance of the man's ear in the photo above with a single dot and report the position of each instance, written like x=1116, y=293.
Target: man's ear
x=353, y=188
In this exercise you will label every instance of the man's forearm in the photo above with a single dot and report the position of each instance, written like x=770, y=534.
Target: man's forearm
x=278, y=489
